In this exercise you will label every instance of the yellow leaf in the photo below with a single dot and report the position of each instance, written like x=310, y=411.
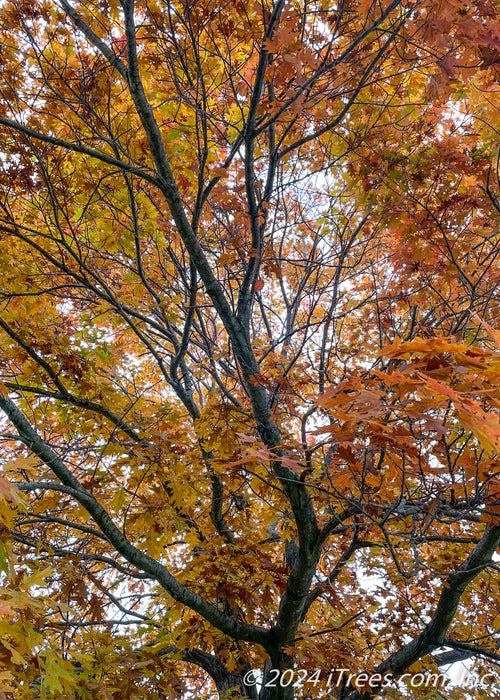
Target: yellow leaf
x=37, y=578
x=118, y=500
x=25, y=463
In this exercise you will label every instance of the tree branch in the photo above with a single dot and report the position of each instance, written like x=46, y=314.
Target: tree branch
x=120, y=542
x=434, y=632
x=78, y=148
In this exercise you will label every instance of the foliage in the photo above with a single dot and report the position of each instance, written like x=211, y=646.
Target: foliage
x=249, y=348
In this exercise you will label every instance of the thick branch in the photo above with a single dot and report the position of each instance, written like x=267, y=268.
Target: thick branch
x=223, y=679
x=77, y=148
x=106, y=51
x=123, y=546
x=464, y=650
x=434, y=633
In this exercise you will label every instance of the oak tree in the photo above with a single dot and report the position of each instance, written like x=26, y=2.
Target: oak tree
x=249, y=348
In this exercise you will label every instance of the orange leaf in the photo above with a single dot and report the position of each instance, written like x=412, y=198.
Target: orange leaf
x=485, y=426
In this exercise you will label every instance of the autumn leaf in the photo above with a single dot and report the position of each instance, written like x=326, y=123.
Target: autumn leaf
x=485, y=426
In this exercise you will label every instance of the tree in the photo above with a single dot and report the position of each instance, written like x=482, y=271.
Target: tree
x=249, y=360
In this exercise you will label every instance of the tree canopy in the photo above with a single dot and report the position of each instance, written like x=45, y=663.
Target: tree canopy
x=249, y=346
